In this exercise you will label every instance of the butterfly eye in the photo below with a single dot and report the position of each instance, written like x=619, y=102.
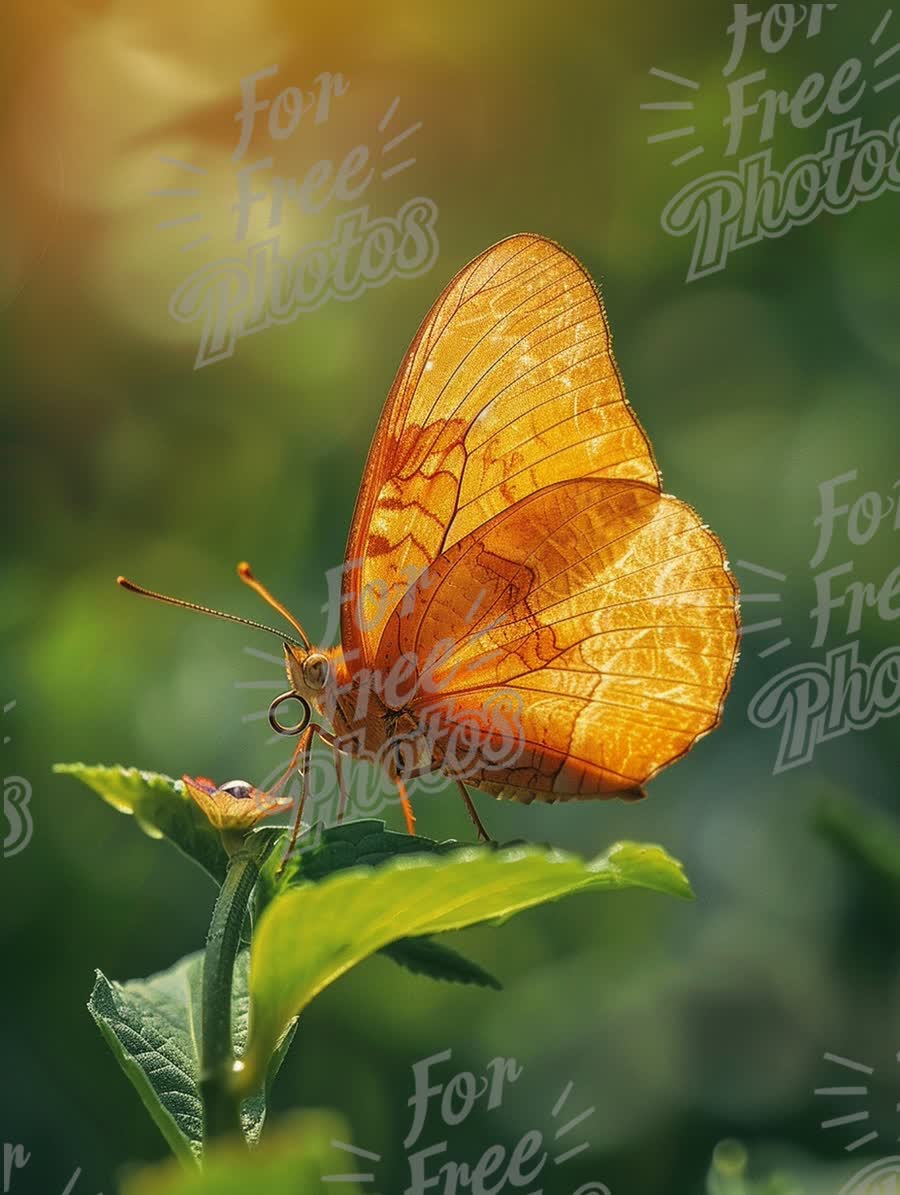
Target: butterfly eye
x=315, y=670
x=237, y=788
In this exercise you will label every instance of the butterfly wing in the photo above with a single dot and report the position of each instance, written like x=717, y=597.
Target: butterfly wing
x=573, y=646
x=508, y=386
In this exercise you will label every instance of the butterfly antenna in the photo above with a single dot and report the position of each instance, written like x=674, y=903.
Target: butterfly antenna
x=172, y=601
x=246, y=575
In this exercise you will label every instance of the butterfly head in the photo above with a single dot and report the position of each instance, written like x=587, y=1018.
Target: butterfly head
x=308, y=671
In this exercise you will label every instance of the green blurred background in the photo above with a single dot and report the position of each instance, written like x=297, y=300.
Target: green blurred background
x=682, y=1024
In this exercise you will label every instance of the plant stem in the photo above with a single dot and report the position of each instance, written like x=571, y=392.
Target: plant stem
x=221, y=1103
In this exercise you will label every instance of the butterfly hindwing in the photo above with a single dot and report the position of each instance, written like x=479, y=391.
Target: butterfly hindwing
x=574, y=645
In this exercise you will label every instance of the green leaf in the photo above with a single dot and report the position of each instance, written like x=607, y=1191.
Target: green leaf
x=153, y=1028
x=162, y=808
x=366, y=842
x=424, y=956
x=359, y=842
x=292, y=1161
x=314, y=932
x=253, y=1109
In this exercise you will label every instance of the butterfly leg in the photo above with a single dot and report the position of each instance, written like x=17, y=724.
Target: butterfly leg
x=276, y=788
x=342, y=788
x=329, y=739
x=303, y=751
x=406, y=806
x=473, y=813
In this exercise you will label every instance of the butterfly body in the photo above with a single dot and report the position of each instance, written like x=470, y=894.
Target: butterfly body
x=365, y=712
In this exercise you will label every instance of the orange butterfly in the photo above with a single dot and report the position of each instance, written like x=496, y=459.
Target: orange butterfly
x=510, y=539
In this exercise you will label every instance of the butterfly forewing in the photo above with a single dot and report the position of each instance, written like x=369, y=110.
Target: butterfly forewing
x=509, y=386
